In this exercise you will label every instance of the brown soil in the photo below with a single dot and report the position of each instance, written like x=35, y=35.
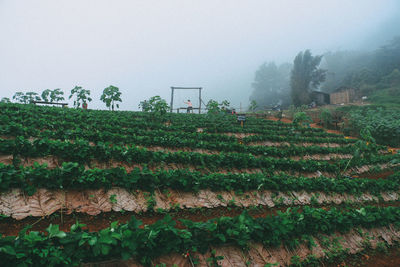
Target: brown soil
x=372, y=258
x=313, y=125
x=286, y=120
x=380, y=175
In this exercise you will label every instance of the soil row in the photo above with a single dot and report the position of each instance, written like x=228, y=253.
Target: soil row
x=16, y=204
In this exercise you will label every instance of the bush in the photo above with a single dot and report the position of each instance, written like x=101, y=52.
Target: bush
x=326, y=117
x=302, y=119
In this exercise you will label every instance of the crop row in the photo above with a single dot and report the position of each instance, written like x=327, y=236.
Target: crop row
x=82, y=152
x=49, y=122
x=132, y=240
x=82, y=119
x=297, y=138
x=74, y=176
x=170, y=139
x=38, y=112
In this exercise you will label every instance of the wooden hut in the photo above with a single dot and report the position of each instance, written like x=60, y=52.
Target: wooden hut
x=344, y=95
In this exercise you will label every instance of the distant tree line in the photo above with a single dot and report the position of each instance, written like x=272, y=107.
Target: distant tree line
x=80, y=96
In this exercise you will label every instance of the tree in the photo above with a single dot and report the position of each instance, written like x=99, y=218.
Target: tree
x=111, y=95
x=5, y=100
x=305, y=76
x=55, y=95
x=157, y=106
x=46, y=94
x=81, y=96
x=32, y=96
x=20, y=97
x=213, y=107
x=26, y=98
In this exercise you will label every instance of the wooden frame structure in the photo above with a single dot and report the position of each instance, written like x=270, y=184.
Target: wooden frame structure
x=173, y=88
x=50, y=103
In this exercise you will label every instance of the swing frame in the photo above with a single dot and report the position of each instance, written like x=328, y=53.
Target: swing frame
x=173, y=88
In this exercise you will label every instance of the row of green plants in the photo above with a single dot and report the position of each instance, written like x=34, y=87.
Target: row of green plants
x=168, y=139
x=83, y=152
x=174, y=118
x=50, y=122
x=297, y=138
x=59, y=129
x=121, y=119
x=72, y=175
x=146, y=242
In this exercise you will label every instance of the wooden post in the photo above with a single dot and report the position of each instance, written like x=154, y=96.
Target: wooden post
x=199, y=100
x=241, y=123
x=172, y=97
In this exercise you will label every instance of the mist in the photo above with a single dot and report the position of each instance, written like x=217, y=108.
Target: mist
x=145, y=47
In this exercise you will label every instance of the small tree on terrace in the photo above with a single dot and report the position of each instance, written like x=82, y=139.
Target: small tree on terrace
x=55, y=95
x=111, y=95
x=81, y=96
x=157, y=107
x=26, y=98
x=45, y=95
x=5, y=100
x=213, y=107
x=20, y=97
x=32, y=96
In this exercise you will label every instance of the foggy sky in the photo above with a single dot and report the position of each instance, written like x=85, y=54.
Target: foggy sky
x=144, y=47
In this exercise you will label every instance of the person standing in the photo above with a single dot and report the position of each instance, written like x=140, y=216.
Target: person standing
x=189, y=107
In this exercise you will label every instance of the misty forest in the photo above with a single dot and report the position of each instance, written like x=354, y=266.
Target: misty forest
x=375, y=73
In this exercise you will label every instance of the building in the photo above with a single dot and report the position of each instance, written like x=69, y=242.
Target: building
x=344, y=95
x=320, y=98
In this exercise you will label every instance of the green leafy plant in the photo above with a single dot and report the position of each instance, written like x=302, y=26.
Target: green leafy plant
x=326, y=117
x=212, y=107
x=55, y=95
x=32, y=96
x=5, y=100
x=110, y=96
x=156, y=106
x=82, y=96
x=301, y=118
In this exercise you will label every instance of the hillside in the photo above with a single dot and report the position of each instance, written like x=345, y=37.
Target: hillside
x=130, y=189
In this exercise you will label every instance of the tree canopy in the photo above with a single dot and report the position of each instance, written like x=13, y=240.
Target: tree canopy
x=110, y=96
x=305, y=76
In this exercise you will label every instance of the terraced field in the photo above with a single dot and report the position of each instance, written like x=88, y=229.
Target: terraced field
x=100, y=188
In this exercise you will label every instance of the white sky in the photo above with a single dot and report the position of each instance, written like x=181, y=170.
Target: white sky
x=144, y=47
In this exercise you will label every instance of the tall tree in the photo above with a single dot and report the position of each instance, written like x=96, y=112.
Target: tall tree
x=305, y=76
x=81, y=96
x=55, y=95
x=111, y=95
x=32, y=96
x=21, y=98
